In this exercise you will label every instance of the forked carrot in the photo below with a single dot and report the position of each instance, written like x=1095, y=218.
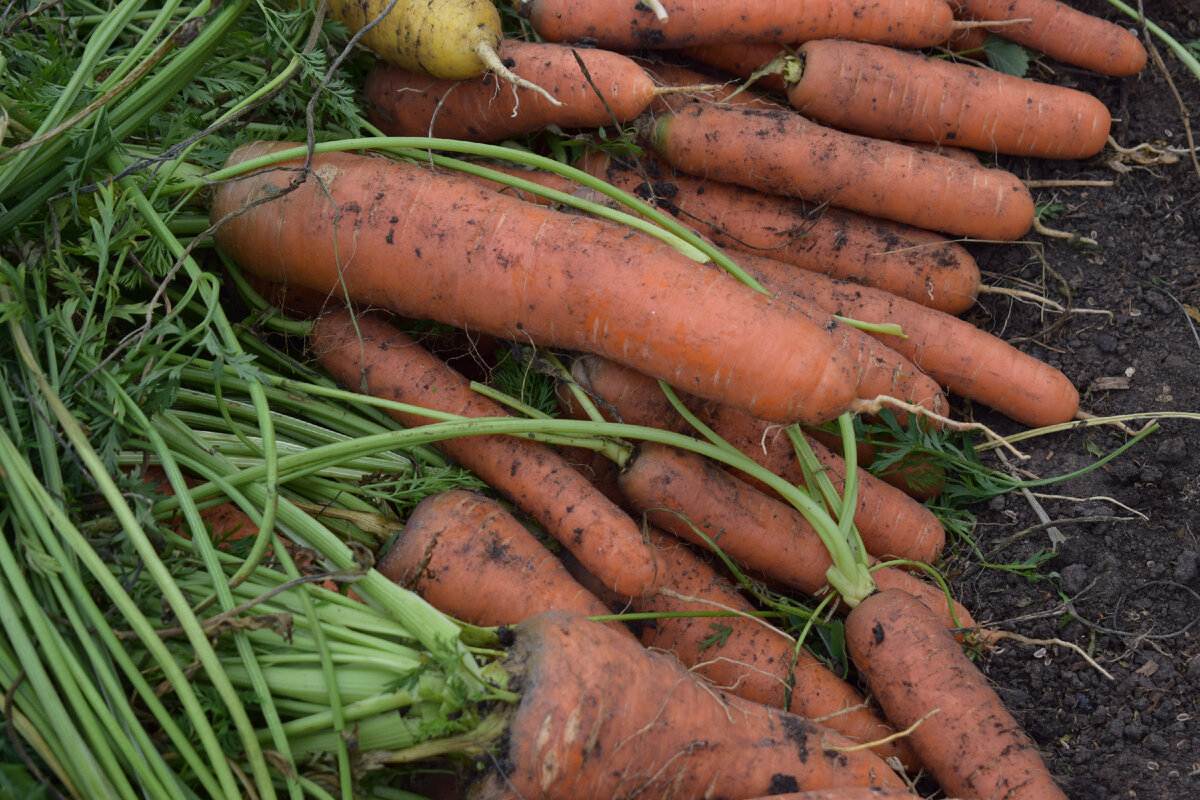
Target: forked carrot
x=593, y=87
x=429, y=245
x=894, y=94
x=968, y=361
x=468, y=557
x=1063, y=33
x=600, y=717
x=965, y=736
x=780, y=152
x=630, y=25
x=367, y=354
x=887, y=519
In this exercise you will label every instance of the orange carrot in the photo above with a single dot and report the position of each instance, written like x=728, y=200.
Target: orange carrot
x=600, y=88
x=782, y=153
x=971, y=743
x=599, y=717
x=681, y=492
x=629, y=25
x=892, y=94
x=470, y=558
x=434, y=246
x=883, y=512
x=748, y=657
x=906, y=261
x=855, y=793
x=968, y=361
x=743, y=59
x=1063, y=33
x=368, y=354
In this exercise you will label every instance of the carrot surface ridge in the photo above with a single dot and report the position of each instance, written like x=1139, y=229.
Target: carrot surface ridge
x=780, y=152
x=893, y=94
x=434, y=246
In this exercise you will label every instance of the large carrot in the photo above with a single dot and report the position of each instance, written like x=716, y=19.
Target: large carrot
x=693, y=498
x=470, y=558
x=367, y=354
x=893, y=94
x=887, y=519
x=782, y=153
x=593, y=88
x=906, y=261
x=968, y=361
x=966, y=737
x=630, y=25
x=1063, y=33
x=599, y=717
x=430, y=245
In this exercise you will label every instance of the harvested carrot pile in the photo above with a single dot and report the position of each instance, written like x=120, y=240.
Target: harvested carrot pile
x=535, y=410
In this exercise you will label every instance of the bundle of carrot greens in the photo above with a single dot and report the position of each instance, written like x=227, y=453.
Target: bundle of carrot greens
x=338, y=464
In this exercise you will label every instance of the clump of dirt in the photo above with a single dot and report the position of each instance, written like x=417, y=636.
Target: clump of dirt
x=1117, y=570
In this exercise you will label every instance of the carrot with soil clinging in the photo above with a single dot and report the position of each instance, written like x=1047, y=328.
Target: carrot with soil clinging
x=470, y=558
x=1063, y=33
x=433, y=246
x=892, y=94
x=599, y=89
x=970, y=742
x=780, y=152
x=631, y=25
x=368, y=354
x=968, y=361
x=600, y=717
x=886, y=518
x=910, y=262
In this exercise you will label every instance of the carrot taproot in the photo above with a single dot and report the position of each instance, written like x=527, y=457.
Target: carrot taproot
x=600, y=717
x=593, y=88
x=470, y=558
x=434, y=246
x=781, y=152
x=894, y=94
x=748, y=657
x=910, y=262
x=693, y=498
x=966, y=737
x=1063, y=33
x=882, y=511
x=368, y=354
x=968, y=361
x=630, y=25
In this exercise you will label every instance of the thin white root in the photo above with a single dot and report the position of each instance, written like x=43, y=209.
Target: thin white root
x=657, y=8
x=1051, y=642
x=488, y=55
x=1057, y=234
x=1057, y=184
x=1024, y=295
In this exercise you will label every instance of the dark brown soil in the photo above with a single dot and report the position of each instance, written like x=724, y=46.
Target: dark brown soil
x=1124, y=581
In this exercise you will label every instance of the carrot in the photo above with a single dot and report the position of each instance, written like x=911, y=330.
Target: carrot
x=906, y=261
x=470, y=558
x=750, y=658
x=892, y=94
x=629, y=25
x=676, y=490
x=1063, y=33
x=718, y=90
x=971, y=744
x=743, y=59
x=593, y=87
x=782, y=153
x=882, y=511
x=599, y=717
x=433, y=246
x=856, y=793
x=968, y=361
x=368, y=354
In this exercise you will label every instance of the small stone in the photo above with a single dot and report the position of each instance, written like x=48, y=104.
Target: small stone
x=1187, y=567
x=1172, y=450
x=1075, y=578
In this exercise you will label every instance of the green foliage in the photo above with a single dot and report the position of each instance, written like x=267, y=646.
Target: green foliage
x=1006, y=56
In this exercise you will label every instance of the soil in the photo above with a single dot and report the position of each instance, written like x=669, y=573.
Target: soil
x=1122, y=578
